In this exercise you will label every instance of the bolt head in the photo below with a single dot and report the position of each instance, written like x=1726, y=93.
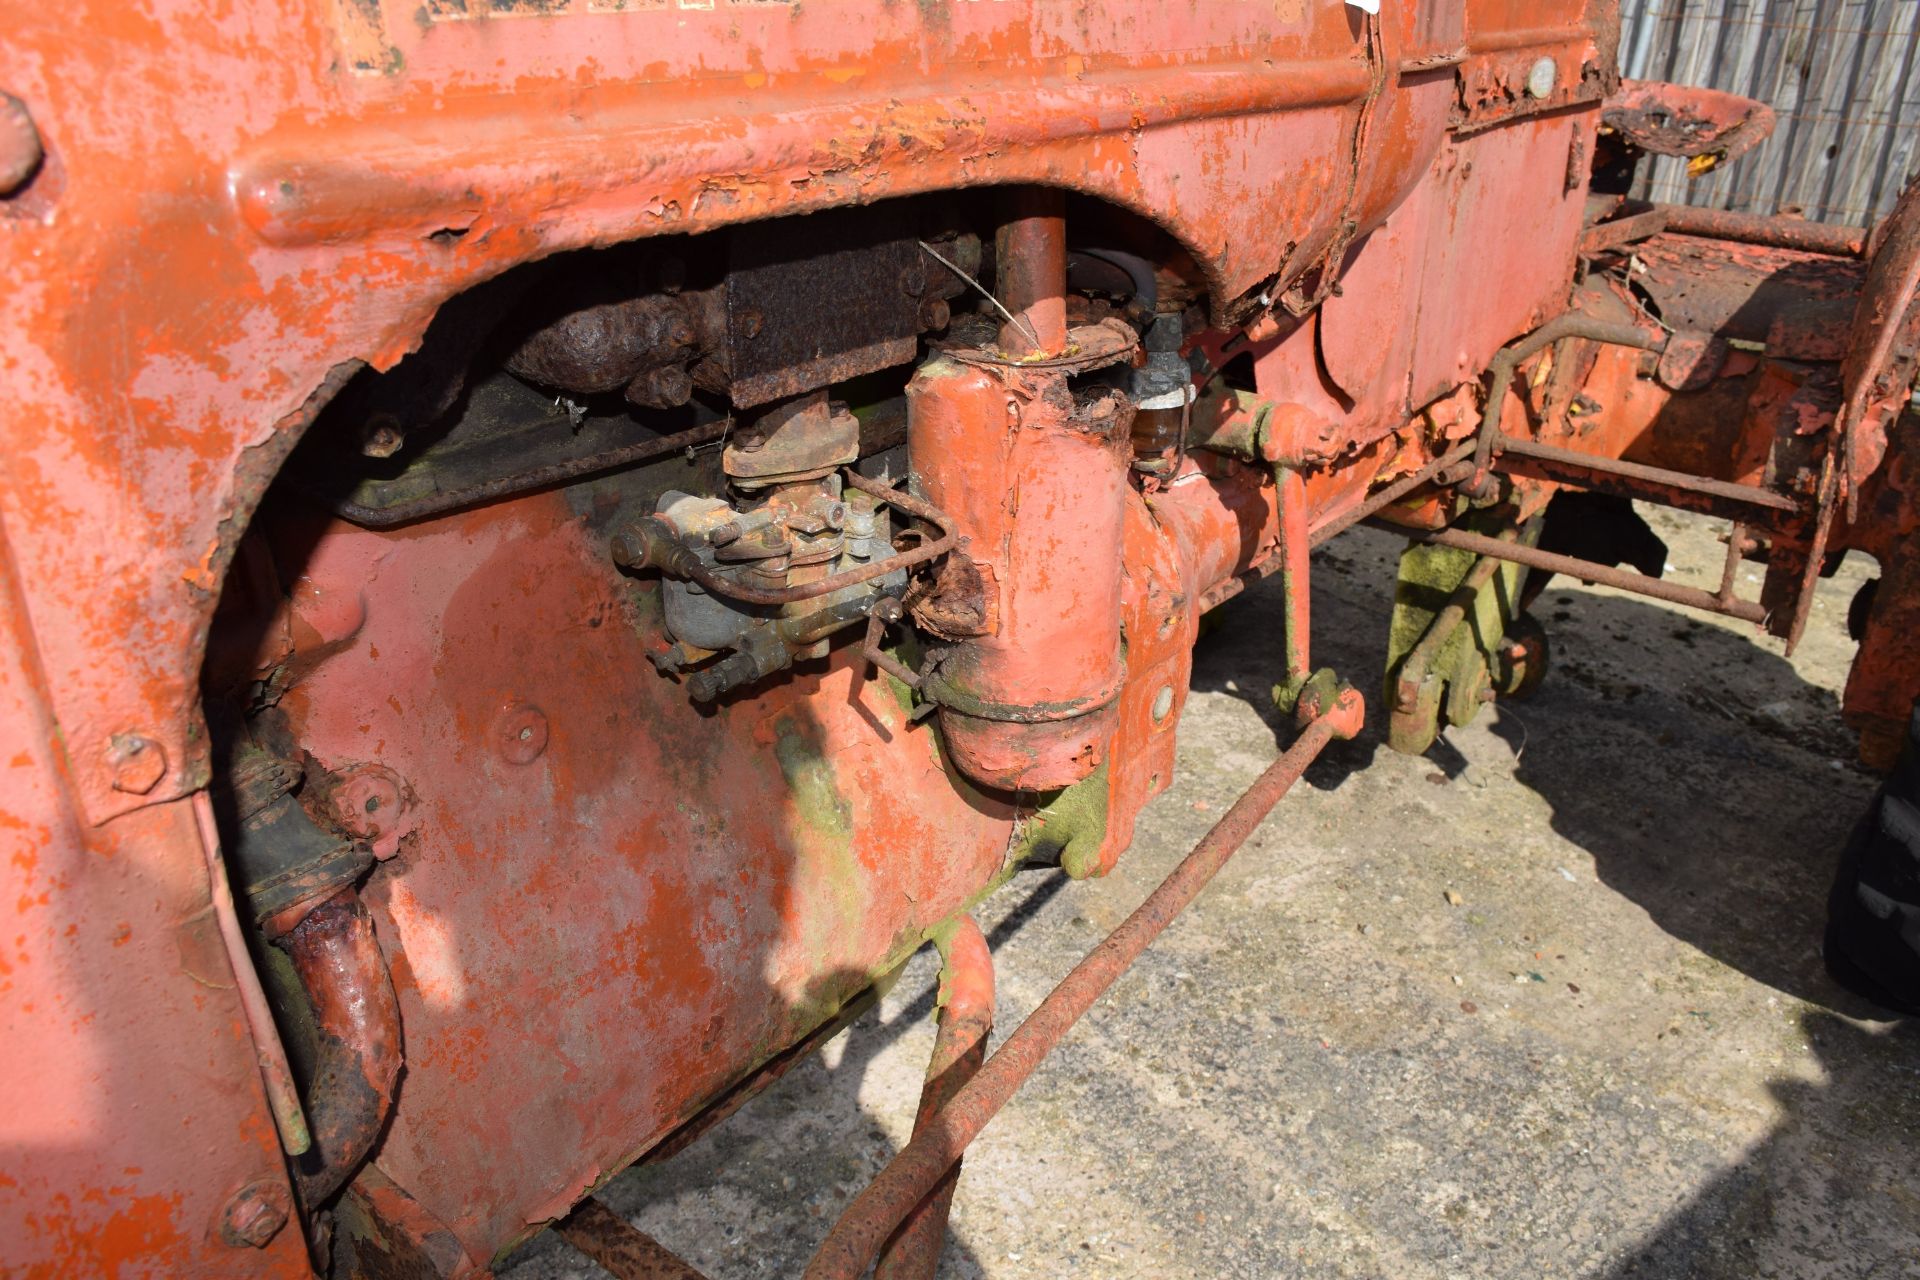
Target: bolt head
x=137, y=762
x=368, y=803
x=1541, y=77
x=20, y=149
x=255, y=1214
x=630, y=549
x=520, y=733
x=382, y=438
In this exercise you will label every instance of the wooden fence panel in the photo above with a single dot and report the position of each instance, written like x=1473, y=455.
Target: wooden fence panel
x=1844, y=76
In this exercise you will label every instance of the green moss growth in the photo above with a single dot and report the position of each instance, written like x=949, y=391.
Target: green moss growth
x=1072, y=825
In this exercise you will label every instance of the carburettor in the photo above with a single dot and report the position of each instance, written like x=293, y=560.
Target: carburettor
x=746, y=575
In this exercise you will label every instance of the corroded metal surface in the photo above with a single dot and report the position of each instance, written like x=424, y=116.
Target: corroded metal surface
x=357, y=1034
x=1042, y=500
x=1734, y=289
x=1770, y=230
x=623, y=1250
x=1591, y=571
x=1681, y=120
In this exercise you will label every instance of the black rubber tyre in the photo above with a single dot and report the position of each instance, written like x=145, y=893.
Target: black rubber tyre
x=1873, y=915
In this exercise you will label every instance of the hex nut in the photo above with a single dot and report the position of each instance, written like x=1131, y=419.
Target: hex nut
x=137, y=761
x=254, y=1215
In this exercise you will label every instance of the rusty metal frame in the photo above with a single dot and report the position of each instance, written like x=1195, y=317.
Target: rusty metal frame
x=621, y=1249
x=1588, y=570
x=1380, y=501
x=283, y=243
x=1773, y=231
x=884, y=613
x=1330, y=527
x=1770, y=230
x=1571, y=324
x=912, y=1252
x=1657, y=484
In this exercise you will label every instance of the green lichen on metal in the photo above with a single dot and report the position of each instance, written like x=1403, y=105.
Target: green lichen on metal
x=1428, y=576
x=816, y=793
x=646, y=609
x=906, y=651
x=1460, y=668
x=1072, y=824
x=820, y=828
x=1231, y=422
x=902, y=694
x=948, y=690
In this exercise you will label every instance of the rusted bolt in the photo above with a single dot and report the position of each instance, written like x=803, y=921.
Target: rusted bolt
x=255, y=1214
x=667, y=387
x=137, y=761
x=632, y=549
x=520, y=733
x=935, y=313
x=724, y=532
x=751, y=322
x=382, y=438
x=20, y=149
x=887, y=609
x=368, y=802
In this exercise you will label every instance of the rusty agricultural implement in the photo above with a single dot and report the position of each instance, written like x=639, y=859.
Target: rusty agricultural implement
x=548, y=546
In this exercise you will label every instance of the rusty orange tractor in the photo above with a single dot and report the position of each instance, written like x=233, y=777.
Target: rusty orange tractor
x=549, y=545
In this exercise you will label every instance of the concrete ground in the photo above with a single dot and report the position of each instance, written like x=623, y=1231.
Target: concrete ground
x=1544, y=1002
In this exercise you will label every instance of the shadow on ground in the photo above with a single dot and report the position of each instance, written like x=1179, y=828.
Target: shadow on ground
x=1713, y=787
x=1708, y=828
x=1811, y=1182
